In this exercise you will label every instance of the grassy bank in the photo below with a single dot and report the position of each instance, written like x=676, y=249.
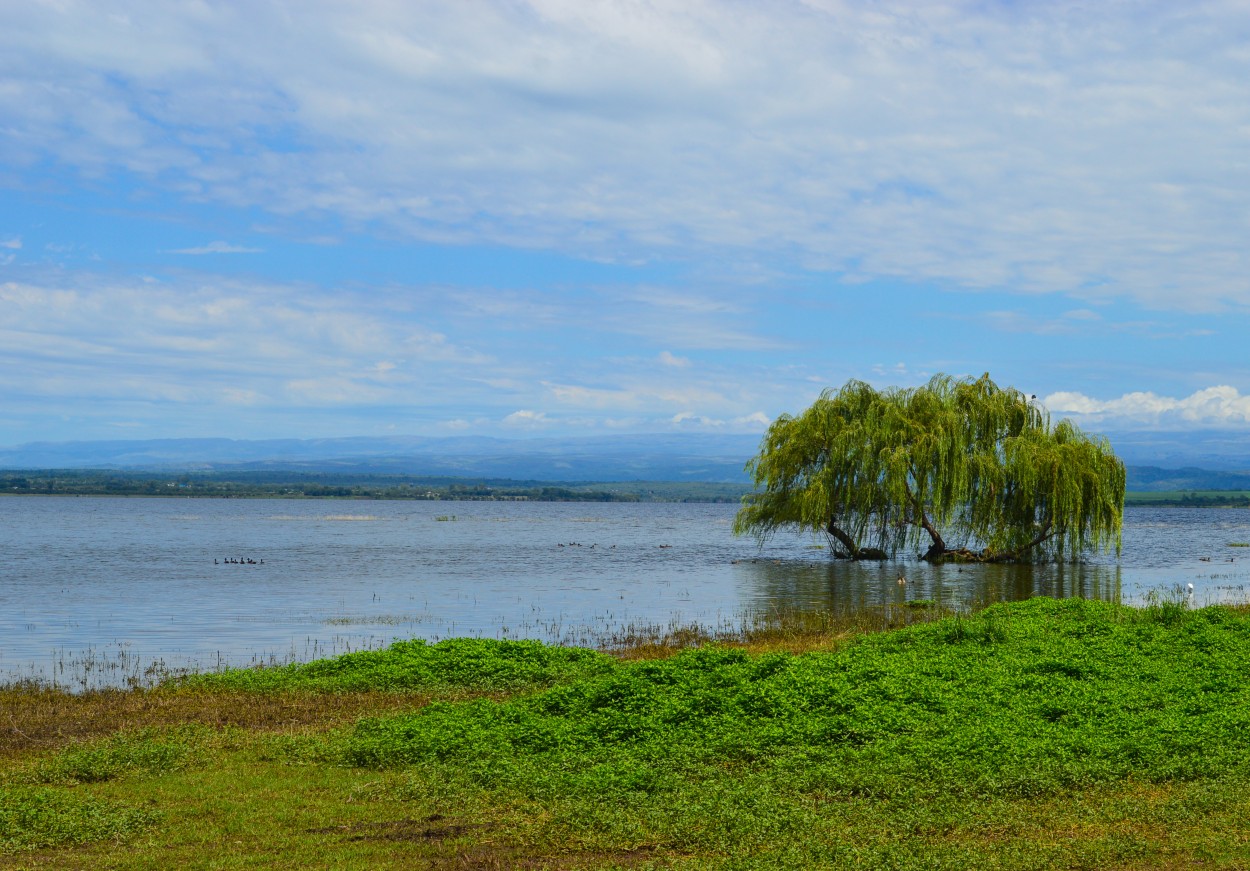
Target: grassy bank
x=1042, y=734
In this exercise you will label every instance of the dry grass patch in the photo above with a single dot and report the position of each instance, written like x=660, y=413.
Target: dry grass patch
x=795, y=632
x=36, y=719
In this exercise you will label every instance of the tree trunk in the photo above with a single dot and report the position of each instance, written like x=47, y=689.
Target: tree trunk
x=1013, y=555
x=937, y=549
x=853, y=551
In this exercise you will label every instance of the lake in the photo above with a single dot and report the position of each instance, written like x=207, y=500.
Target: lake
x=94, y=590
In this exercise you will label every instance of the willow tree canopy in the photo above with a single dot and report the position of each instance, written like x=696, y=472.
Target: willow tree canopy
x=962, y=468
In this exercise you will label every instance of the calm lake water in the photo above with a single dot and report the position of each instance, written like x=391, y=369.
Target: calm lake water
x=94, y=590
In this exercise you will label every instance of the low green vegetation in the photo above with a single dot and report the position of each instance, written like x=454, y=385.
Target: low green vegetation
x=455, y=664
x=1018, y=701
x=1041, y=734
x=31, y=818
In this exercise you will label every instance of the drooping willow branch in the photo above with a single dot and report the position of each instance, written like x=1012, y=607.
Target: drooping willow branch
x=959, y=461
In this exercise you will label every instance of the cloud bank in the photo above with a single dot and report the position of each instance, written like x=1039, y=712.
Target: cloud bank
x=1214, y=407
x=207, y=353
x=554, y=216
x=1091, y=149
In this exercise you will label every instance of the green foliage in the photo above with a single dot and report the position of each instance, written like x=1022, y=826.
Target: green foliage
x=1166, y=607
x=462, y=663
x=955, y=459
x=32, y=818
x=141, y=752
x=1024, y=700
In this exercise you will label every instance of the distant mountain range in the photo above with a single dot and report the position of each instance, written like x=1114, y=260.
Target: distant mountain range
x=712, y=458
x=1154, y=479
x=1223, y=450
x=1157, y=461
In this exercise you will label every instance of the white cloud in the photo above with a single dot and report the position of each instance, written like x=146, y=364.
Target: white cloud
x=214, y=342
x=687, y=419
x=1220, y=406
x=1026, y=147
x=526, y=419
x=669, y=359
x=636, y=393
x=899, y=373
x=15, y=243
x=756, y=419
x=218, y=248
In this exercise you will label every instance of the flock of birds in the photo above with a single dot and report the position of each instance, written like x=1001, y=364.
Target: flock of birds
x=238, y=561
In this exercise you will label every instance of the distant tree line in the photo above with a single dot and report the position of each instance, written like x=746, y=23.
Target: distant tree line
x=1203, y=499
x=269, y=485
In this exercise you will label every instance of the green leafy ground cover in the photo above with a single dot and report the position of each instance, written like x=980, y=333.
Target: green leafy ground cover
x=1021, y=700
x=1042, y=734
x=457, y=663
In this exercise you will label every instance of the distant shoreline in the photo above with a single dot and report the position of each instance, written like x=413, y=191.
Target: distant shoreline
x=419, y=488
x=269, y=485
x=1189, y=498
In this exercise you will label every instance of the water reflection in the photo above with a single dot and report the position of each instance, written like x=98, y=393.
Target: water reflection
x=845, y=587
x=82, y=576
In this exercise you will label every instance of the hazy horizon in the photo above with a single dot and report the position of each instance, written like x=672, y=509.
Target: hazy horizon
x=654, y=455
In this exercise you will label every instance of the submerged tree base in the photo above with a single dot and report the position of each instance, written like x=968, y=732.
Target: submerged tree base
x=955, y=555
x=863, y=553
x=964, y=555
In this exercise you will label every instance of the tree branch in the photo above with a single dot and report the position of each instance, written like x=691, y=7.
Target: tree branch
x=1013, y=555
x=853, y=551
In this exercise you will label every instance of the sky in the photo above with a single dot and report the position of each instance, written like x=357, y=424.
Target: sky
x=567, y=217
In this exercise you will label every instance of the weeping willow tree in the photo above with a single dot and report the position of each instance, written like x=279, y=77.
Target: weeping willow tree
x=958, y=469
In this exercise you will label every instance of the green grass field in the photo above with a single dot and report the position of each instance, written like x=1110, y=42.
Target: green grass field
x=1042, y=734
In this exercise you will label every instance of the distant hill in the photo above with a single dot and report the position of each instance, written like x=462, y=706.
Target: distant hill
x=676, y=457
x=1221, y=450
x=1146, y=479
x=706, y=458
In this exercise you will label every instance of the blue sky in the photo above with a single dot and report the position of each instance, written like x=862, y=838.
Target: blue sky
x=530, y=218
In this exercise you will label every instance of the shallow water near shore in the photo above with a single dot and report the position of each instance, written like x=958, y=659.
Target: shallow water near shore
x=108, y=591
